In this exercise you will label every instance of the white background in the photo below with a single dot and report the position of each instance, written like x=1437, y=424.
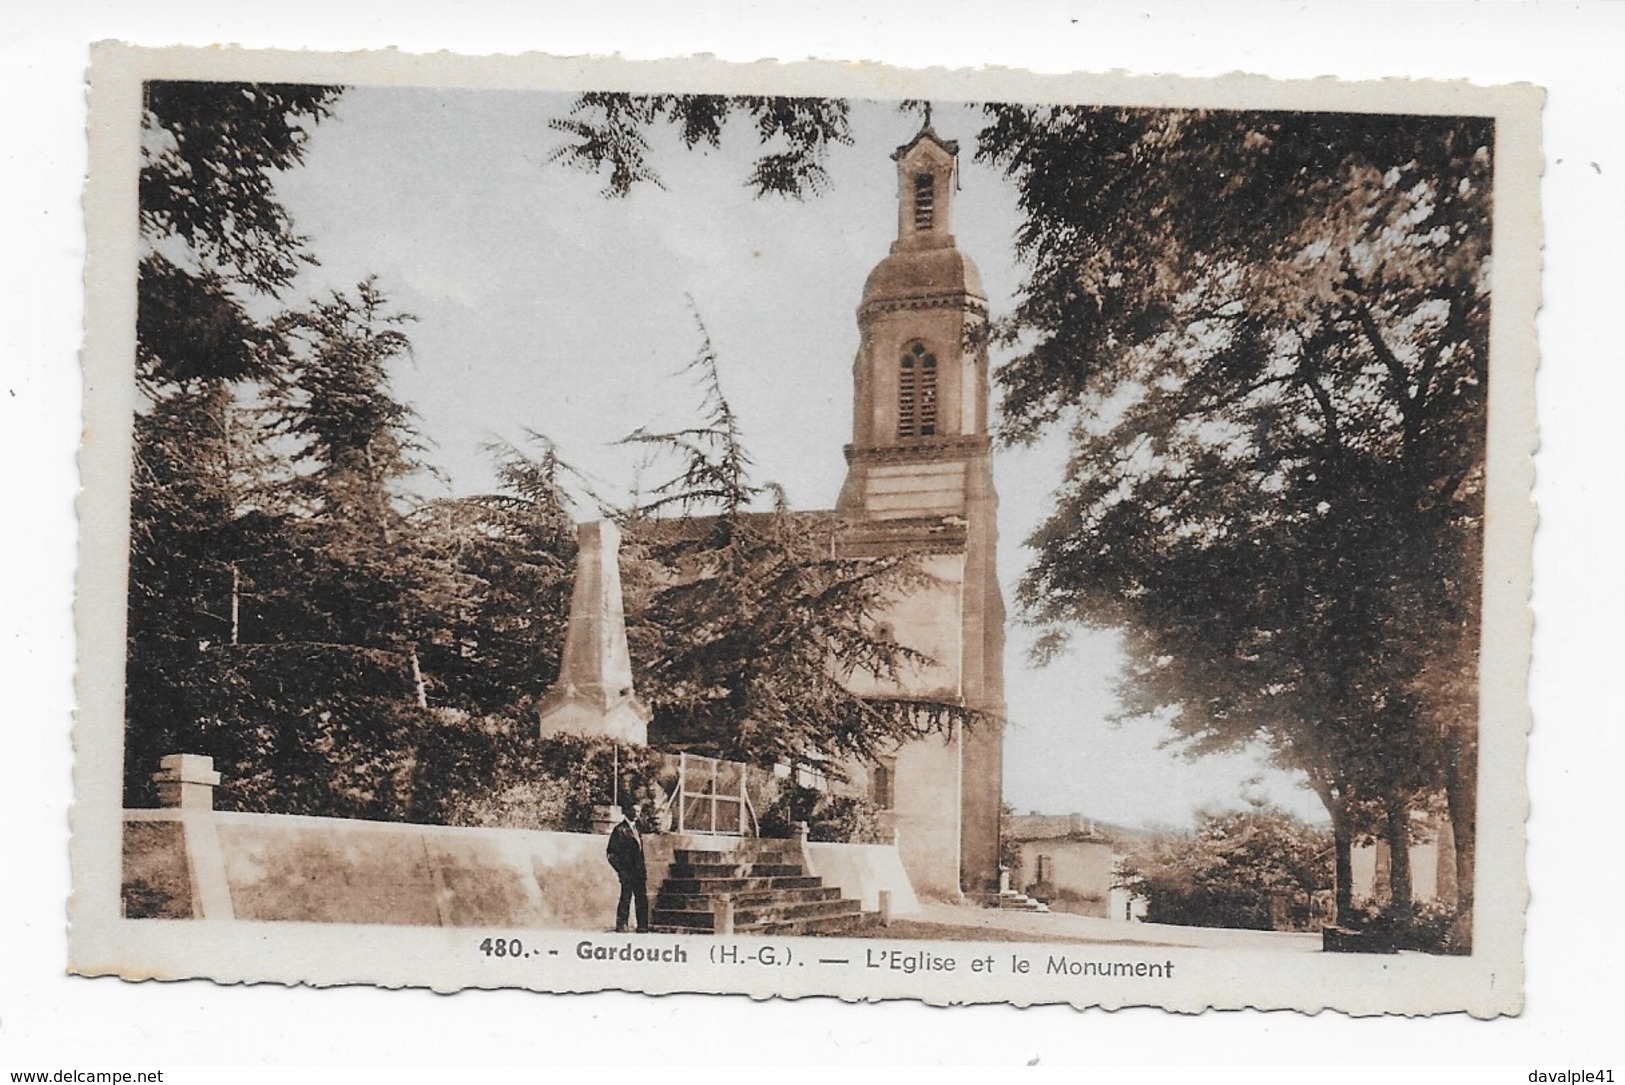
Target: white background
x=50, y=1021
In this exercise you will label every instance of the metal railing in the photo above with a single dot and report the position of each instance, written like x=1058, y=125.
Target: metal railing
x=709, y=796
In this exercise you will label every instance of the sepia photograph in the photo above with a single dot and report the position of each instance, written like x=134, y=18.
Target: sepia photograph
x=1010, y=542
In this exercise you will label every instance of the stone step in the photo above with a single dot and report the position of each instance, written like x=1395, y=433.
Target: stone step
x=778, y=913
x=667, y=898
x=768, y=911
x=751, y=916
x=693, y=922
x=831, y=924
x=819, y=916
x=778, y=852
x=709, y=886
x=735, y=870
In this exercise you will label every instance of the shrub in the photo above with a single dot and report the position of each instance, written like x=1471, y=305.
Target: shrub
x=493, y=772
x=1231, y=870
x=840, y=819
x=1427, y=929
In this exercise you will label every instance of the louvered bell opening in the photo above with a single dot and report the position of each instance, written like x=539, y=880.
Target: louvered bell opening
x=927, y=396
x=917, y=393
x=924, y=201
x=907, y=397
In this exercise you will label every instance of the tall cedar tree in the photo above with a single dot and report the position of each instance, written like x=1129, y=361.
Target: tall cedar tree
x=213, y=235
x=356, y=591
x=499, y=651
x=748, y=626
x=279, y=591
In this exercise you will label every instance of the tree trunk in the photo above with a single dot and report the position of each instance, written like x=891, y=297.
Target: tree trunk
x=1398, y=813
x=236, y=596
x=1342, y=849
x=1461, y=796
x=420, y=688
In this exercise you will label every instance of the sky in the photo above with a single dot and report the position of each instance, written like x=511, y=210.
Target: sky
x=542, y=306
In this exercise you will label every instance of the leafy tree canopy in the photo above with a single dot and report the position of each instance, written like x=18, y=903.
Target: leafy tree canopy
x=210, y=151
x=1266, y=336
x=1266, y=339
x=608, y=131
x=1230, y=869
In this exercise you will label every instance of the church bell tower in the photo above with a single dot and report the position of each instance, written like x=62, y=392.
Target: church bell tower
x=920, y=403
x=920, y=480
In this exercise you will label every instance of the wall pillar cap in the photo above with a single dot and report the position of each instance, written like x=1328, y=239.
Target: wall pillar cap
x=187, y=768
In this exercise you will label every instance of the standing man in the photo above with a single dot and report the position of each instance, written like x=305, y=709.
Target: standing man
x=625, y=853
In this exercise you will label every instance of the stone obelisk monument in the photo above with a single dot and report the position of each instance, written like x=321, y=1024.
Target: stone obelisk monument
x=593, y=695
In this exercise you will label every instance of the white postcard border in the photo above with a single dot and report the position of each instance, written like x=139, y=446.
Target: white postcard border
x=1487, y=984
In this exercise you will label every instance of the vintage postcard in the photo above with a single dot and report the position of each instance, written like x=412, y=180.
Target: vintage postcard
x=806, y=530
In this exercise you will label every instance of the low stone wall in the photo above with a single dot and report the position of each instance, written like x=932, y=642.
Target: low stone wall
x=206, y=864
x=862, y=871
x=217, y=865
x=157, y=882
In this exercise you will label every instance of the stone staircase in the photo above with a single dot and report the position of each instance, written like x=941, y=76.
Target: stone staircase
x=1012, y=900
x=772, y=892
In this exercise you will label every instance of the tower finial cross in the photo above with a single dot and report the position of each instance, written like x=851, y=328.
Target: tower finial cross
x=928, y=114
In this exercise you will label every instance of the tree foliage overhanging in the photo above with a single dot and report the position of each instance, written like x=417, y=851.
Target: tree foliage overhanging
x=1265, y=337
x=608, y=129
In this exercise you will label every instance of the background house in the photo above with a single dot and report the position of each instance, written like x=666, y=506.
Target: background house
x=1069, y=862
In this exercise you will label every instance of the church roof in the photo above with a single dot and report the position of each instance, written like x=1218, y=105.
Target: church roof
x=923, y=273
x=1030, y=828
x=924, y=264
x=926, y=132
